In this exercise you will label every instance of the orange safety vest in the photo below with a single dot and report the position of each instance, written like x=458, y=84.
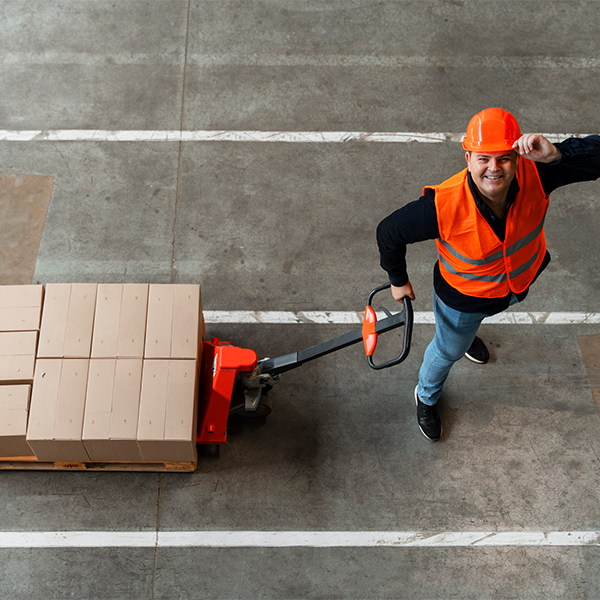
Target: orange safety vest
x=471, y=257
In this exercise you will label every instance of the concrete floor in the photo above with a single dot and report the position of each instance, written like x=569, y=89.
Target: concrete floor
x=274, y=226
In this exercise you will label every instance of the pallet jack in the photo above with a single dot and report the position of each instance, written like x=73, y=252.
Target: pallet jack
x=234, y=381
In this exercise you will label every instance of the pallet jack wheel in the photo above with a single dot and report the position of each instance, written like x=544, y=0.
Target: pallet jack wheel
x=209, y=450
x=262, y=411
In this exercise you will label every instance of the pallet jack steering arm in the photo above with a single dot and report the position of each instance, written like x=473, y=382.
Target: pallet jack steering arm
x=369, y=332
x=224, y=365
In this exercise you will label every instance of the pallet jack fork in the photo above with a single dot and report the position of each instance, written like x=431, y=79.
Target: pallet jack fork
x=233, y=380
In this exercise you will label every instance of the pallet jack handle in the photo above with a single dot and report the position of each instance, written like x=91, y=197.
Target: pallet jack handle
x=370, y=330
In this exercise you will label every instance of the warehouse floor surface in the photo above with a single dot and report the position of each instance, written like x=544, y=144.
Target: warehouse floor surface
x=183, y=141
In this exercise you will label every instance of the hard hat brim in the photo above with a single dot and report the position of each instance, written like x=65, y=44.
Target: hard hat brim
x=489, y=147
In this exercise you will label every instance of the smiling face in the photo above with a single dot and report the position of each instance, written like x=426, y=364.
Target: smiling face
x=492, y=172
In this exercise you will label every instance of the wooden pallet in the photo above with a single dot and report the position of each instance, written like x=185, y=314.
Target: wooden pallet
x=16, y=463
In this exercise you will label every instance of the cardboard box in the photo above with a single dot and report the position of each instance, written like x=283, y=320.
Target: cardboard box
x=57, y=409
x=174, y=325
x=98, y=406
x=106, y=320
x=21, y=295
x=159, y=323
x=20, y=307
x=18, y=343
x=17, y=369
x=187, y=322
x=17, y=356
x=111, y=410
x=168, y=411
x=120, y=321
x=67, y=320
x=54, y=320
x=132, y=328
x=14, y=409
x=126, y=406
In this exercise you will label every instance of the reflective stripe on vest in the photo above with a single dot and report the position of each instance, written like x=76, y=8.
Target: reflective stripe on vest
x=492, y=278
x=472, y=259
x=527, y=239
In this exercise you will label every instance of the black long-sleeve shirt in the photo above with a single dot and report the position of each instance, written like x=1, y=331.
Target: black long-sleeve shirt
x=417, y=222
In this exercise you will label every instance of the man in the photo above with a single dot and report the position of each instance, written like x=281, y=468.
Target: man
x=488, y=224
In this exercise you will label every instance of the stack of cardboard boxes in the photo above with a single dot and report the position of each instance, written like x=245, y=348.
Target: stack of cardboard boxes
x=116, y=374
x=20, y=314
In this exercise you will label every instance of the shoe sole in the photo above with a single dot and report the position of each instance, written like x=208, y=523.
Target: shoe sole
x=420, y=428
x=475, y=360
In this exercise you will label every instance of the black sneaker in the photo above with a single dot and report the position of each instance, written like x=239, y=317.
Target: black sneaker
x=428, y=419
x=478, y=353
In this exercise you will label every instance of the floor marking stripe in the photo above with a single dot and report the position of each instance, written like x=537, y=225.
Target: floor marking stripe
x=54, y=58
x=395, y=62
x=355, y=318
x=316, y=137
x=77, y=539
x=295, y=539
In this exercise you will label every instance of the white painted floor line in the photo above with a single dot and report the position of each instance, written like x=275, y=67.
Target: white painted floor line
x=355, y=318
x=102, y=135
x=295, y=539
x=264, y=59
x=56, y=58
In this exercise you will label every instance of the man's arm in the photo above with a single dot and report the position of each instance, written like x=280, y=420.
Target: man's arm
x=398, y=293
x=536, y=147
x=578, y=159
x=415, y=222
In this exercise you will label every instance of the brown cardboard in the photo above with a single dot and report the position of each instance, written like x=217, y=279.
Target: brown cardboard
x=174, y=322
x=67, y=320
x=132, y=326
x=159, y=322
x=14, y=408
x=21, y=295
x=168, y=407
x=18, y=343
x=106, y=320
x=126, y=407
x=20, y=307
x=98, y=406
x=71, y=404
x=153, y=407
x=54, y=320
x=187, y=310
x=182, y=410
x=78, y=335
x=17, y=356
x=17, y=369
x=111, y=412
x=24, y=200
x=44, y=403
x=57, y=410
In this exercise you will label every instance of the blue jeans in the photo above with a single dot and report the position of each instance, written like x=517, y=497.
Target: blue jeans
x=454, y=334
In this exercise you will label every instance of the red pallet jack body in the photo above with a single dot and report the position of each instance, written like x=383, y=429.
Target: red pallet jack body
x=229, y=371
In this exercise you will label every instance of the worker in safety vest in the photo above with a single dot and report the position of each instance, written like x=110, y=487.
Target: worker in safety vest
x=488, y=225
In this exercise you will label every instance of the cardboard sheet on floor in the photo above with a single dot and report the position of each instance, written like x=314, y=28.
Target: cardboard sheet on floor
x=590, y=352
x=24, y=201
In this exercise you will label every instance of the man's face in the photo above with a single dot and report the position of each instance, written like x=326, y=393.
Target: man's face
x=492, y=172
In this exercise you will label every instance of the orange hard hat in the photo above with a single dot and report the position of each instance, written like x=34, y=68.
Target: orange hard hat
x=491, y=130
